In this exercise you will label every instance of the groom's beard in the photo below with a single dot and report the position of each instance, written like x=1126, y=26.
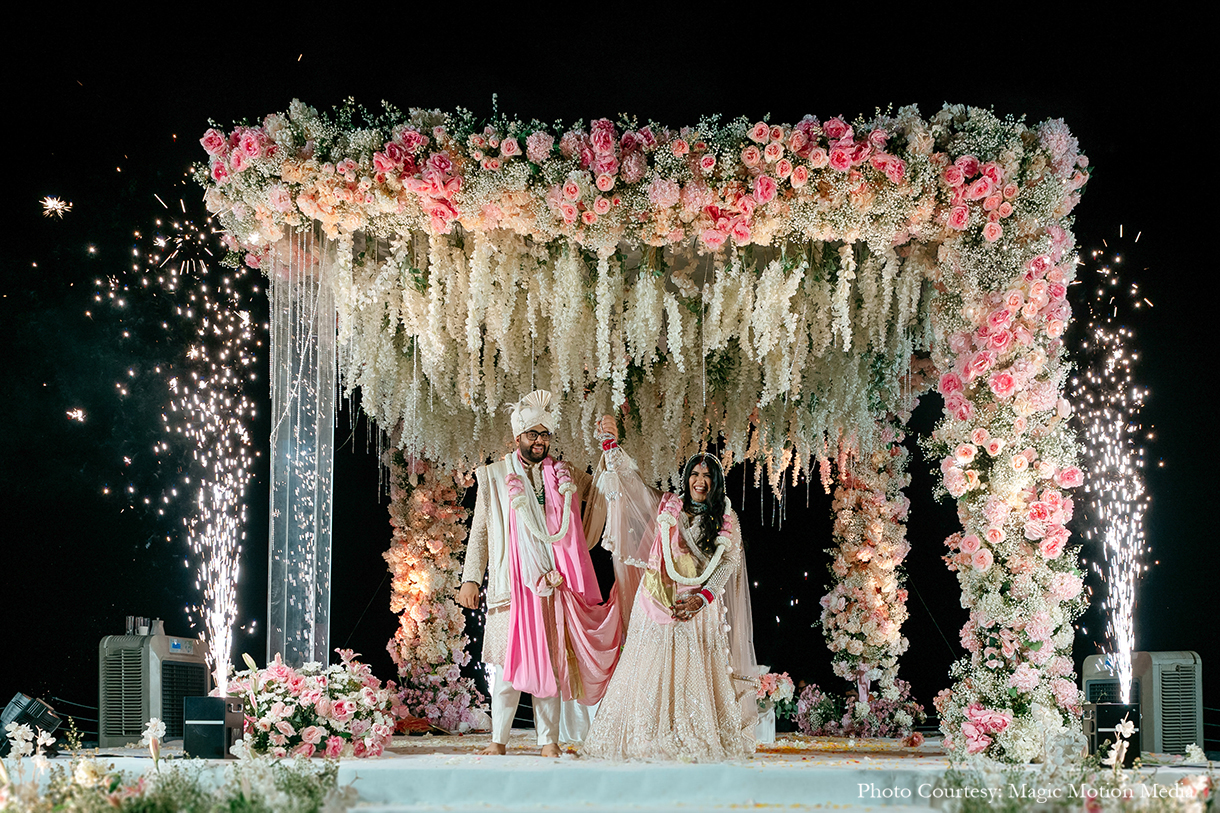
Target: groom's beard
x=527, y=451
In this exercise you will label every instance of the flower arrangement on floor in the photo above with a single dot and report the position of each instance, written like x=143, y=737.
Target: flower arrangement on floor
x=863, y=613
x=335, y=711
x=779, y=693
x=429, y=646
x=821, y=714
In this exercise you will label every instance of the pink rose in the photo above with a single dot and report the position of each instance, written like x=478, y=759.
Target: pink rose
x=571, y=190
x=840, y=158
x=949, y=384
x=1053, y=542
x=992, y=231
x=1003, y=385
x=964, y=454
x=713, y=238
x=979, y=436
x=976, y=740
x=605, y=182
x=995, y=446
x=602, y=139
x=818, y=158
x=509, y=147
x=784, y=168
x=214, y=142
x=707, y=163
x=836, y=129
x=955, y=482
x=982, y=560
x=971, y=544
x=957, y=406
x=588, y=217
x=995, y=535
x=896, y=170
x=1054, y=328
x=1019, y=463
x=285, y=728
x=679, y=147
x=979, y=363
x=773, y=152
x=305, y=749
x=751, y=156
x=959, y=217
x=334, y=746
x=604, y=165
x=740, y=230
x=311, y=735
x=764, y=189
x=953, y=175
x=968, y=164
x=800, y=176
x=760, y=132
x=1071, y=477
x=568, y=211
x=601, y=205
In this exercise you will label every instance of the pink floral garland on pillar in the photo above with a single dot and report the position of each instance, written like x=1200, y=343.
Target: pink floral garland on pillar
x=863, y=613
x=429, y=646
x=1009, y=457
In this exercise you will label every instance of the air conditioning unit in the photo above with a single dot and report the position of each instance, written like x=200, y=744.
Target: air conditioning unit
x=146, y=676
x=1169, y=688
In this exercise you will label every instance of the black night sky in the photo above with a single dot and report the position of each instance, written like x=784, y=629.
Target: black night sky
x=108, y=113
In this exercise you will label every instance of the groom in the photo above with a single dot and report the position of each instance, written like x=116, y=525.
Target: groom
x=547, y=631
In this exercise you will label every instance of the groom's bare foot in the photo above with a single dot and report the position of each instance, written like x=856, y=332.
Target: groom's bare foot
x=493, y=749
x=550, y=750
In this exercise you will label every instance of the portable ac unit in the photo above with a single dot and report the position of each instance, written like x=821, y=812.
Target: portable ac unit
x=1169, y=688
x=146, y=676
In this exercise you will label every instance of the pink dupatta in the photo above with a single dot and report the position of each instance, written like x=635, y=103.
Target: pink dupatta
x=572, y=622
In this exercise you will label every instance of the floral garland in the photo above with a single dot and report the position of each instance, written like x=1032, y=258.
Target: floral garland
x=667, y=521
x=765, y=272
x=334, y=711
x=429, y=646
x=863, y=614
x=1008, y=458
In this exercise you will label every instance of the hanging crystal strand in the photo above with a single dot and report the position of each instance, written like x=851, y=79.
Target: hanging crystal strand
x=304, y=379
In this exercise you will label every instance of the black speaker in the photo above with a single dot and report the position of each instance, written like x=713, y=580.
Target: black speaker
x=211, y=725
x=29, y=711
x=1100, y=719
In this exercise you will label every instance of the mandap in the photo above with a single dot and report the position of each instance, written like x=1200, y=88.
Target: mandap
x=784, y=291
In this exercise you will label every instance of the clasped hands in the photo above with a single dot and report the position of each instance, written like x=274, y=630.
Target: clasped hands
x=687, y=604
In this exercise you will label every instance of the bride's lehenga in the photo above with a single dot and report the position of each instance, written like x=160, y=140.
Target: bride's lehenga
x=676, y=693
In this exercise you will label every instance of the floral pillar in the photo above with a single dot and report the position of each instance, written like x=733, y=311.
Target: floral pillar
x=429, y=646
x=862, y=615
x=1007, y=453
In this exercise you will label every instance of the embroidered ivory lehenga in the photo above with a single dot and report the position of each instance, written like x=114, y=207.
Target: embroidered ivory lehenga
x=683, y=690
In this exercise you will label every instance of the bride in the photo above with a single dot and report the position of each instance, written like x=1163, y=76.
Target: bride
x=686, y=682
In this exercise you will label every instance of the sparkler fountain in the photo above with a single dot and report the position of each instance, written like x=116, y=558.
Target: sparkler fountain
x=1109, y=408
x=208, y=409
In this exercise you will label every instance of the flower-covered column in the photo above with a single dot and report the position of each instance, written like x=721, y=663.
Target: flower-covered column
x=862, y=615
x=429, y=646
x=1007, y=453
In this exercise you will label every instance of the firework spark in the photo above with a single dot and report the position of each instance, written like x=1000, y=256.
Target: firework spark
x=1109, y=409
x=77, y=414
x=54, y=207
x=208, y=410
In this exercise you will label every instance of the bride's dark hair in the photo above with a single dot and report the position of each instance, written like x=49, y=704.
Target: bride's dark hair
x=713, y=516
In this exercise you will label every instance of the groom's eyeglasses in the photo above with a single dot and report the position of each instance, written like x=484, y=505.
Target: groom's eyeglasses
x=532, y=436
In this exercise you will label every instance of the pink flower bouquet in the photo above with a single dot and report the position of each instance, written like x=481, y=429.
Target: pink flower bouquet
x=335, y=711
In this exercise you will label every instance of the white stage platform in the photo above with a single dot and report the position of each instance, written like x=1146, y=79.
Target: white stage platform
x=446, y=773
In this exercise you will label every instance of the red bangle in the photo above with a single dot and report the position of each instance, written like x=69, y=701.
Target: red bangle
x=608, y=444
x=708, y=597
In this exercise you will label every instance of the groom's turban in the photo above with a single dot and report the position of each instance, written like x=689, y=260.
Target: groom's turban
x=532, y=410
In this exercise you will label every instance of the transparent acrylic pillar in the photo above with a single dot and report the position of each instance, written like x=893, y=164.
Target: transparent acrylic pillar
x=303, y=380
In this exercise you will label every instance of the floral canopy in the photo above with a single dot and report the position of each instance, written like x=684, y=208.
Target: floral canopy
x=783, y=290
